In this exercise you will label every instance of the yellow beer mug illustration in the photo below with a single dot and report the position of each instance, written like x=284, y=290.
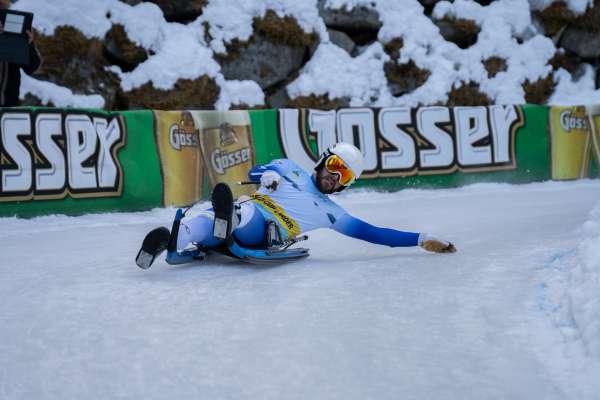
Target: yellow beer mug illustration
x=570, y=142
x=181, y=163
x=227, y=149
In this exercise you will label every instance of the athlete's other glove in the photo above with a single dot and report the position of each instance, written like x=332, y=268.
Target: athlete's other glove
x=436, y=245
x=270, y=180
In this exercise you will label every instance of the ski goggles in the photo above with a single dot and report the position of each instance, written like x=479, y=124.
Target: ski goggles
x=335, y=165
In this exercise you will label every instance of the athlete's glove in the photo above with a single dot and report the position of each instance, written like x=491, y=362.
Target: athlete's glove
x=270, y=180
x=436, y=245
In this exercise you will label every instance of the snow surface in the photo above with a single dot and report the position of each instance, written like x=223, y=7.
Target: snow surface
x=180, y=51
x=514, y=314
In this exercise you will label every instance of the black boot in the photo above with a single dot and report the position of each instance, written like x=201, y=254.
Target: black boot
x=154, y=243
x=222, y=202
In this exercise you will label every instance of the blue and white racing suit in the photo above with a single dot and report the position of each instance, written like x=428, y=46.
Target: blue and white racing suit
x=297, y=206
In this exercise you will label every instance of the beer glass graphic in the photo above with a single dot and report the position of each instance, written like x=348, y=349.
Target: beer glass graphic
x=570, y=142
x=180, y=160
x=227, y=148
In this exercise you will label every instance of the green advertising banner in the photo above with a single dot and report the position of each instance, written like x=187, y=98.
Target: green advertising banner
x=66, y=161
x=422, y=147
x=73, y=162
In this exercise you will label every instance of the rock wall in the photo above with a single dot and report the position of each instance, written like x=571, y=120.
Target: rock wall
x=278, y=49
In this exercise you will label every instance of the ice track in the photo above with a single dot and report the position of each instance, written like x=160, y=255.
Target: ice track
x=78, y=319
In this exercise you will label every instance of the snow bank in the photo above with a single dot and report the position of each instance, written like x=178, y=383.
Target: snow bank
x=180, y=51
x=577, y=6
x=582, y=298
x=49, y=92
x=569, y=296
x=232, y=19
x=569, y=92
x=331, y=70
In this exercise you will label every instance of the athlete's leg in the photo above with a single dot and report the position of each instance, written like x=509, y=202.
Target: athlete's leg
x=197, y=230
x=249, y=232
x=251, y=229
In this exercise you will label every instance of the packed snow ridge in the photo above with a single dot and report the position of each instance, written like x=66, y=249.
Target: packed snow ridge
x=568, y=294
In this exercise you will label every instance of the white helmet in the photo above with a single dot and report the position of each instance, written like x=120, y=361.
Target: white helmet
x=349, y=153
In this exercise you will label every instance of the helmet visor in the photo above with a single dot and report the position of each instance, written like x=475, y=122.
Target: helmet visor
x=335, y=165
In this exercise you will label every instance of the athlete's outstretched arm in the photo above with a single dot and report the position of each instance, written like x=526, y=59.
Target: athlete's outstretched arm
x=358, y=229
